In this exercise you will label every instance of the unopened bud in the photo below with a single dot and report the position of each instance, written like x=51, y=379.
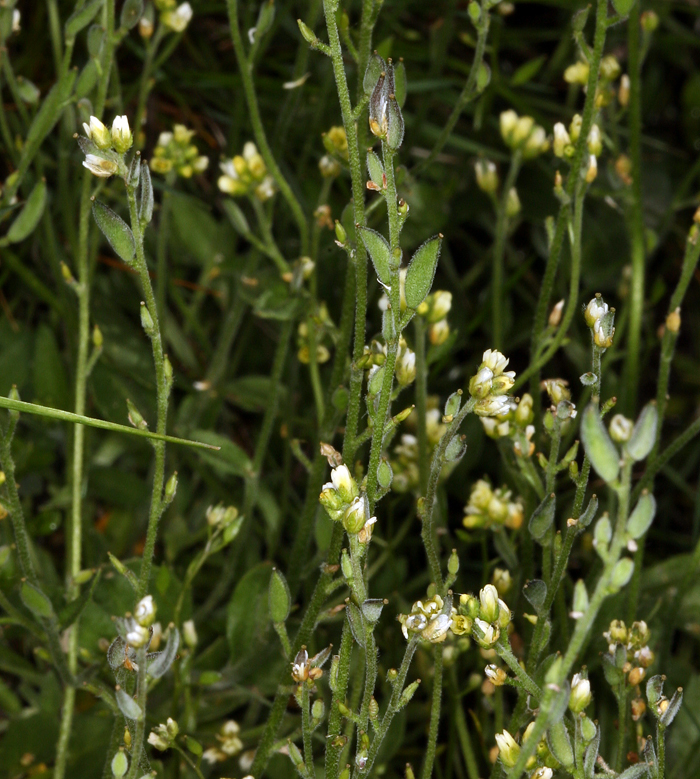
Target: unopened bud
x=673, y=321
x=147, y=321
x=592, y=170
x=623, y=93
x=170, y=488
x=512, y=203
x=453, y=563
x=408, y=693
x=555, y=315
x=120, y=764
x=340, y=234
x=293, y=749
x=486, y=176
x=135, y=416
x=97, y=339
x=635, y=676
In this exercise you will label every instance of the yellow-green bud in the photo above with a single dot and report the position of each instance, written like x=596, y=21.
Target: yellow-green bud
x=147, y=321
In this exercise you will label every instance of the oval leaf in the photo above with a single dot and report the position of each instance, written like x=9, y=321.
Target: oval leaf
x=644, y=433
x=536, y=592
x=560, y=744
x=542, y=517
x=379, y=251
x=115, y=230
x=642, y=516
x=35, y=600
x=128, y=706
x=622, y=573
x=375, y=169
x=599, y=446
x=82, y=17
x=421, y=271
x=279, y=597
x=29, y=216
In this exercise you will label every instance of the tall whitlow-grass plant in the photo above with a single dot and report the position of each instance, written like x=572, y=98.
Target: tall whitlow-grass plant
x=280, y=578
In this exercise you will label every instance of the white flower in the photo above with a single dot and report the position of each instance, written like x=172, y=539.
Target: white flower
x=542, y=773
x=437, y=629
x=98, y=133
x=495, y=360
x=492, y=406
x=158, y=740
x=121, y=134
x=356, y=515
x=228, y=736
x=266, y=189
x=300, y=666
x=145, y=612
x=621, y=428
x=406, y=367
x=99, y=166
x=178, y=19
x=164, y=138
x=508, y=120
x=595, y=144
x=508, y=748
x=366, y=532
x=214, y=755
x=137, y=635
x=250, y=151
x=16, y=16
x=189, y=634
x=595, y=310
x=488, y=598
x=344, y=483
x=200, y=164
x=491, y=633
x=561, y=139
x=592, y=170
x=580, y=693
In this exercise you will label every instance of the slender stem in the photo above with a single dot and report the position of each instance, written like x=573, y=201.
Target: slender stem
x=506, y=654
x=141, y=693
x=661, y=750
x=421, y=403
x=360, y=255
x=427, y=771
x=572, y=179
x=162, y=392
x=499, y=248
x=246, y=70
x=621, y=728
x=189, y=761
x=333, y=750
x=635, y=215
x=306, y=729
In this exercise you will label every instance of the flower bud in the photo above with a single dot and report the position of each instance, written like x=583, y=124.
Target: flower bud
x=486, y=634
x=345, y=485
x=408, y=693
x=512, y=203
x=98, y=133
x=621, y=428
x=508, y=749
x=580, y=695
x=480, y=383
x=189, y=634
x=145, y=612
x=594, y=142
x=439, y=332
x=497, y=676
x=673, y=321
x=486, y=176
x=635, y=676
x=122, y=139
x=591, y=170
x=562, y=141
x=577, y=73
x=355, y=516
x=136, y=635
x=575, y=127
x=623, y=93
x=406, y=368
x=147, y=321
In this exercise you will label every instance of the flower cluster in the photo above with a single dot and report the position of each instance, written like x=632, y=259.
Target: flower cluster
x=173, y=16
x=521, y=132
x=543, y=762
x=104, y=148
x=229, y=743
x=430, y=618
x=635, y=642
x=323, y=329
x=488, y=508
x=484, y=616
x=341, y=499
x=565, y=140
x=174, y=151
x=434, y=309
x=136, y=627
x=162, y=737
x=247, y=174
x=514, y=422
x=560, y=395
x=490, y=383
x=600, y=317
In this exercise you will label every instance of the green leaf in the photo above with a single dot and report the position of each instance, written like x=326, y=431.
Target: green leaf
x=193, y=745
x=28, y=218
x=356, y=623
x=536, y=592
x=86, y=80
x=372, y=609
x=230, y=458
x=643, y=515
x=375, y=169
x=280, y=599
x=248, y=612
x=560, y=744
x=527, y=71
x=375, y=66
x=644, y=433
x=81, y=18
x=236, y=217
x=146, y=204
x=35, y=600
x=163, y=660
x=542, y=517
x=421, y=271
x=591, y=755
x=132, y=11
x=379, y=251
x=673, y=708
x=128, y=706
x=28, y=90
x=623, y=7
x=599, y=446
x=622, y=573
x=115, y=230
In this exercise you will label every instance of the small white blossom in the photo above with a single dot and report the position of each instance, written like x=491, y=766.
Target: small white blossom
x=178, y=19
x=16, y=18
x=121, y=134
x=561, y=139
x=145, y=612
x=98, y=133
x=189, y=634
x=137, y=635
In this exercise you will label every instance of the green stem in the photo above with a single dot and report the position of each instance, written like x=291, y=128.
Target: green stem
x=189, y=761
x=245, y=68
x=421, y=403
x=333, y=750
x=661, y=750
x=635, y=215
x=427, y=771
x=138, y=736
x=306, y=729
x=621, y=728
x=360, y=255
x=580, y=154
x=499, y=252
x=162, y=392
x=506, y=654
